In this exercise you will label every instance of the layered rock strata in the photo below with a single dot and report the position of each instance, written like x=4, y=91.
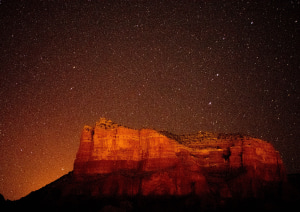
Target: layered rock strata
x=148, y=162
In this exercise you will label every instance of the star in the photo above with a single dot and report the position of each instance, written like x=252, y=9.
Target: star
x=155, y=64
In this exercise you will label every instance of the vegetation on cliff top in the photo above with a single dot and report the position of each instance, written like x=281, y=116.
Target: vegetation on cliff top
x=106, y=124
x=202, y=137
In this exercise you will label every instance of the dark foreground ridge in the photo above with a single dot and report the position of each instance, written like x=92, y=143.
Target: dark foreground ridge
x=122, y=169
x=52, y=198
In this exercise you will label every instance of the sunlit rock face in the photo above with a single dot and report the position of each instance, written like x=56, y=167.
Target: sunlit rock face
x=148, y=162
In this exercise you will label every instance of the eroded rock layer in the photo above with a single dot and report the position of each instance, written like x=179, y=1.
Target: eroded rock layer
x=148, y=162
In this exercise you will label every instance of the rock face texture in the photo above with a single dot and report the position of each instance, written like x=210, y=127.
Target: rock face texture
x=122, y=169
x=146, y=162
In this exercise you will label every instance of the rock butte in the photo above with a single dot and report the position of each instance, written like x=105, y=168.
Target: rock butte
x=147, y=162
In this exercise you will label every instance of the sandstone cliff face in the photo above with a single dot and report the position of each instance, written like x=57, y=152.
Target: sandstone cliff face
x=148, y=162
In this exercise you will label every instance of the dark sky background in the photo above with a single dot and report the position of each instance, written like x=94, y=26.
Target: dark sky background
x=182, y=66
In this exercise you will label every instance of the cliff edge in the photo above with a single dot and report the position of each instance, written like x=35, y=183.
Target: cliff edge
x=148, y=162
x=122, y=169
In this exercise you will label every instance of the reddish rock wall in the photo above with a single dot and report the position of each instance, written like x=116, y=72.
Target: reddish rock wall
x=148, y=162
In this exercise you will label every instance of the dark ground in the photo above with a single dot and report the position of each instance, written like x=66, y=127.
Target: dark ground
x=48, y=199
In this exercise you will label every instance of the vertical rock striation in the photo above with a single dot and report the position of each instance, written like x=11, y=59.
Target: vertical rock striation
x=148, y=162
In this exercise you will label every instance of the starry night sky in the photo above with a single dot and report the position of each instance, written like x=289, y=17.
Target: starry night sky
x=182, y=66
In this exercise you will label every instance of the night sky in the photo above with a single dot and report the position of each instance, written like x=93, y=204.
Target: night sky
x=182, y=66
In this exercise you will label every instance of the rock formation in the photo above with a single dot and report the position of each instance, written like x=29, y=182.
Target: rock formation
x=147, y=162
x=122, y=169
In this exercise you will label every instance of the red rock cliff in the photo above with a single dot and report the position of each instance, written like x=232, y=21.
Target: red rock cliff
x=147, y=162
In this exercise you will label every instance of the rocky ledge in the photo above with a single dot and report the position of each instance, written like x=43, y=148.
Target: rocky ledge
x=122, y=169
x=153, y=163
